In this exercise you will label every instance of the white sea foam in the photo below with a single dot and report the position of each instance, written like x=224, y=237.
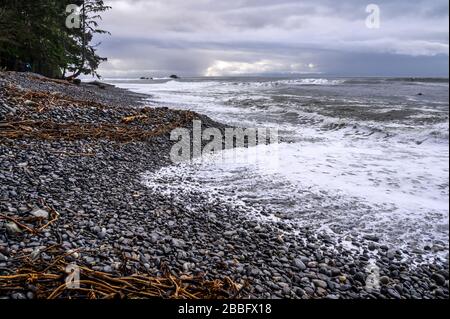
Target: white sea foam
x=343, y=173
x=348, y=187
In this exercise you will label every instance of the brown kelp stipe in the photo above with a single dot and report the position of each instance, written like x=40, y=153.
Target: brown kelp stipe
x=39, y=100
x=49, y=281
x=48, y=130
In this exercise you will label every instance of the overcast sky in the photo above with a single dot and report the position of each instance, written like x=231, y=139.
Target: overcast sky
x=232, y=37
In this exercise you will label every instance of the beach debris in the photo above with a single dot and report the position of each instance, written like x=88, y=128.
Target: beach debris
x=145, y=124
x=42, y=100
x=129, y=119
x=49, y=277
x=45, y=79
x=48, y=130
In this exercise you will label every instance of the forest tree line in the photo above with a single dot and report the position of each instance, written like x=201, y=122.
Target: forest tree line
x=34, y=36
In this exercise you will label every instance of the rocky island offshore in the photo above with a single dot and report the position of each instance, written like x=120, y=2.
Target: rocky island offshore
x=73, y=200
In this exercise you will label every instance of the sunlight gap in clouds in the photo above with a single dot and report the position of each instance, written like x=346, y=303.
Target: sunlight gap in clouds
x=227, y=68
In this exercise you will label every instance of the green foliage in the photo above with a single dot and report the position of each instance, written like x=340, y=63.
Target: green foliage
x=34, y=32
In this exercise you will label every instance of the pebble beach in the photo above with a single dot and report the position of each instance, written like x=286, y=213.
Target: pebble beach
x=72, y=159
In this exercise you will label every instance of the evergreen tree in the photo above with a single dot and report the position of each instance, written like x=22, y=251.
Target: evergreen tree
x=33, y=34
x=81, y=52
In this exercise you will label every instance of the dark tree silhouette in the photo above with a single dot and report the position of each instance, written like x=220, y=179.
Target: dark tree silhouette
x=34, y=36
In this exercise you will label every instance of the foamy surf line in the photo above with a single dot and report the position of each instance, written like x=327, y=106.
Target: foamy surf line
x=255, y=190
x=356, y=164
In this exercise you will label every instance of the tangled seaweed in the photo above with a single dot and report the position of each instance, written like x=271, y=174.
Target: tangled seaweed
x=54, y=280
x=140, y=126
x=41, y=100
x=48, y=130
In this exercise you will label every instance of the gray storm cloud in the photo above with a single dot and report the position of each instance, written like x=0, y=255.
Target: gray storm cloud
x=211, y=37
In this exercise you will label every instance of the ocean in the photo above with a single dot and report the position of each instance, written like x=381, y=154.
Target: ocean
x=358, y=155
